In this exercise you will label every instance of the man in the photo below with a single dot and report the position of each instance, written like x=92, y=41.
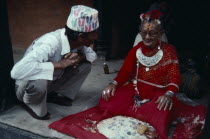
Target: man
x=57, y=62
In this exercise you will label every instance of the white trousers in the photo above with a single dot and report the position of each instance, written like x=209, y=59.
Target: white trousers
x=34, y=92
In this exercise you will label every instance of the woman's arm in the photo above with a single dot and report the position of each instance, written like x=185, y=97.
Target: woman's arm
x=128, y=69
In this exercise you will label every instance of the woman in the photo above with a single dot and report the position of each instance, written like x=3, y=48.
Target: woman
x=144, y=89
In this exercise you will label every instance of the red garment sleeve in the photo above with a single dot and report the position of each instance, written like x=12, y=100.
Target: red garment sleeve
x=127, y=71
x=173, y=72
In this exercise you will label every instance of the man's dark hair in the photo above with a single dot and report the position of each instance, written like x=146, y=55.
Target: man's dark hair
x=72, y=35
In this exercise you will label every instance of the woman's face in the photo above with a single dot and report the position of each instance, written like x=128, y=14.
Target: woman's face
x=150, y=32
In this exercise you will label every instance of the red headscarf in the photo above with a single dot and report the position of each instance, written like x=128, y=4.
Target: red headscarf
x=153, y=14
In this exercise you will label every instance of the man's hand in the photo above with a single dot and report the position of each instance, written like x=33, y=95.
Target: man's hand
x=164, y=101
x=79, y=56
x=71, y=55
x=109, y=91
x=70, y=59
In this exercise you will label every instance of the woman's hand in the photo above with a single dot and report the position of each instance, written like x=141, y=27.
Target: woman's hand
x=108, y=91
x=165, y=101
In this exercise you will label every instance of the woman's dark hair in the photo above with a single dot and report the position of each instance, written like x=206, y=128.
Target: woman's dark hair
x=72, y=35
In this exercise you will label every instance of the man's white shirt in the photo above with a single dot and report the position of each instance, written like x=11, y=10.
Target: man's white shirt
x=37, y=61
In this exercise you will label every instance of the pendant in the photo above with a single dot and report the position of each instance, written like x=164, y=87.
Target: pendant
x=147, y=69
x=137, y=100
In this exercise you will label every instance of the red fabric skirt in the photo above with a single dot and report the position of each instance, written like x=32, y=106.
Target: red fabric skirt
x=122, y=103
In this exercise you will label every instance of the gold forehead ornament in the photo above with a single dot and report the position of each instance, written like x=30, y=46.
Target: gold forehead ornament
x=148, y=26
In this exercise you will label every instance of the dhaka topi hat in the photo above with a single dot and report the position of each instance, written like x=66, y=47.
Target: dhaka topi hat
x=83, y=19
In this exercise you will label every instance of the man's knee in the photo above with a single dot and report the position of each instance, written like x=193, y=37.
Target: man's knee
x=38, y=86
x=35, y=91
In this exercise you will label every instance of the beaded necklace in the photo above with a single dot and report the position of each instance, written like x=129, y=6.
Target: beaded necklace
x=147, y=62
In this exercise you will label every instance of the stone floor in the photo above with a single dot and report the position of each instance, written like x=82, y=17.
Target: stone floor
x=86, y=98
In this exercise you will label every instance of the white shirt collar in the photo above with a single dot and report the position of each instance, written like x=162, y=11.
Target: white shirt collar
x=65, y=43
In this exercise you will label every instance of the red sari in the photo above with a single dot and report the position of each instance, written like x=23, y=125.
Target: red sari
x=160, y=78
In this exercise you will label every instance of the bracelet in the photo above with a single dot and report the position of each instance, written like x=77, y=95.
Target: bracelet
x=114, y=82
x=170, y=93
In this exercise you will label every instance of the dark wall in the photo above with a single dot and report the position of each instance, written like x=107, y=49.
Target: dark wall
x=7, y=89
x=191, y=31
x=119, y=22
x=192, y=21
x=188, y=33
x=125, y=16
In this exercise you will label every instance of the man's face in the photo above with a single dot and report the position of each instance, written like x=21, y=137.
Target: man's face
x=90, y=38
x=150, y=32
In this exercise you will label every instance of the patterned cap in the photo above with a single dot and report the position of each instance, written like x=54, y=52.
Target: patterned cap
x=83, y=19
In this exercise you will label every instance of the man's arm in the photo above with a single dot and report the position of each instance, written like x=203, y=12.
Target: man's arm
x=35, y=65
x=89, y=54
